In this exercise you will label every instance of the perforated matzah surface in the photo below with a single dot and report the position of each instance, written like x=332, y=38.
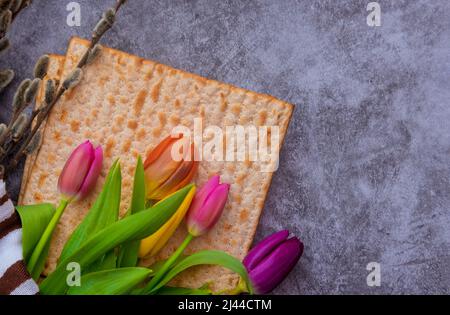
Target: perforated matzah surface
x=129, y=105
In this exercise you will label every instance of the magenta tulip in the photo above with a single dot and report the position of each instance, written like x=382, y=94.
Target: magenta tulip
x=269, y=262
x=204, y=212
x=76, y=181
x=207, y=206
x=81, y=172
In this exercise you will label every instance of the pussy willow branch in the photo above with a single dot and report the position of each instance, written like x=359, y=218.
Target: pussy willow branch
x=95, y=39
x=44, y=112
x=23, y=5
x=10, y=9
x=4, y=137
x=15, y=12
x=9, y=147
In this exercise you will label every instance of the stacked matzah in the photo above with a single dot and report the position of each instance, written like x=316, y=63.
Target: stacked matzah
x=128, y=105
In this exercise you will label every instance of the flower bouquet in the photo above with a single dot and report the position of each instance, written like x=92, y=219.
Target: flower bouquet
x=102, y=254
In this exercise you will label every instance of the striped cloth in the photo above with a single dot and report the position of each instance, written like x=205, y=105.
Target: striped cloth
x=14, y=278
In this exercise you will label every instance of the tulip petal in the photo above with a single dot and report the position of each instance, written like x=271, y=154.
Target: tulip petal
x=193, y=170
x=159, y=171
x=164, y=174
x=189, y=176
x=205, y=191
x=75, y=170
x=202, y=219
x=153, y=244
x=264, y=248
x=272, y=270
x=179, y=178
x=93, y=174
x=159, y=149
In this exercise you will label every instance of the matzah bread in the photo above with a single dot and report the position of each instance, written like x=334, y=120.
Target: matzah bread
x=128, y=105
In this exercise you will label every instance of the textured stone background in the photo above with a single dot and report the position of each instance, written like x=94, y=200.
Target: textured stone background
x=365, y=169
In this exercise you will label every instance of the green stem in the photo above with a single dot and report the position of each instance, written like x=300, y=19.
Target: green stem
x=45, y=238
x=168, y=264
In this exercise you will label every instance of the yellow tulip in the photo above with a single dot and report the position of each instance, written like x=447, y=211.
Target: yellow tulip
x=151, y=245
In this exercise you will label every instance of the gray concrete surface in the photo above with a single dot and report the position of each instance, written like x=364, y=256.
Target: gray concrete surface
x=365, y=169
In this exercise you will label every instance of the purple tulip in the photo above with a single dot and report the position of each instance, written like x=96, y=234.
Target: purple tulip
x=81, y=172
x=271, y=260
x=207, y=206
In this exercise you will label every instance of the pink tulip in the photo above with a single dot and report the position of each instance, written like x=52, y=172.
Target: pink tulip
x=81, y=172
x=207, y=206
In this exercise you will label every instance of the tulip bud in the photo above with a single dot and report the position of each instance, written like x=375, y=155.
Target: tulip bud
x=207, y=206
x=81, y=171
x=269, y=262
x=164, y=173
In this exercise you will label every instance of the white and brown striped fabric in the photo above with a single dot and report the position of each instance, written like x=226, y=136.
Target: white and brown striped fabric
x=14, y=278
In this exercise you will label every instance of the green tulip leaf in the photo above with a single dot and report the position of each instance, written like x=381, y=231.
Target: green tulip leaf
x=36, y=262
x=108, y=261
x=133, y=227
x=35, y=219
x=103, y=213
x=206, y=257
x=110, y=282
x=128, y=256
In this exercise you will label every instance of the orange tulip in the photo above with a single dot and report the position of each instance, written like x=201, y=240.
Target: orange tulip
x=169, y=167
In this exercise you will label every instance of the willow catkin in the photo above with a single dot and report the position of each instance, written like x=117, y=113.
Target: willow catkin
x=3, y=129
x=19, y=97
x=50, y=88
x=15, y=5
x=101, y=27
x=5, y=4
x=73, y=79
x=34, y=144
x=4, y=44
x=19, y=126
x=5, y=20
x=32, y=90
x=41, y=67
x=6, y=76
x=93, y=54
x=109, y=16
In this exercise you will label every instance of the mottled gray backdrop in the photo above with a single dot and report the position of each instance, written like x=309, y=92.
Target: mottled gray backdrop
x=365, y=169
